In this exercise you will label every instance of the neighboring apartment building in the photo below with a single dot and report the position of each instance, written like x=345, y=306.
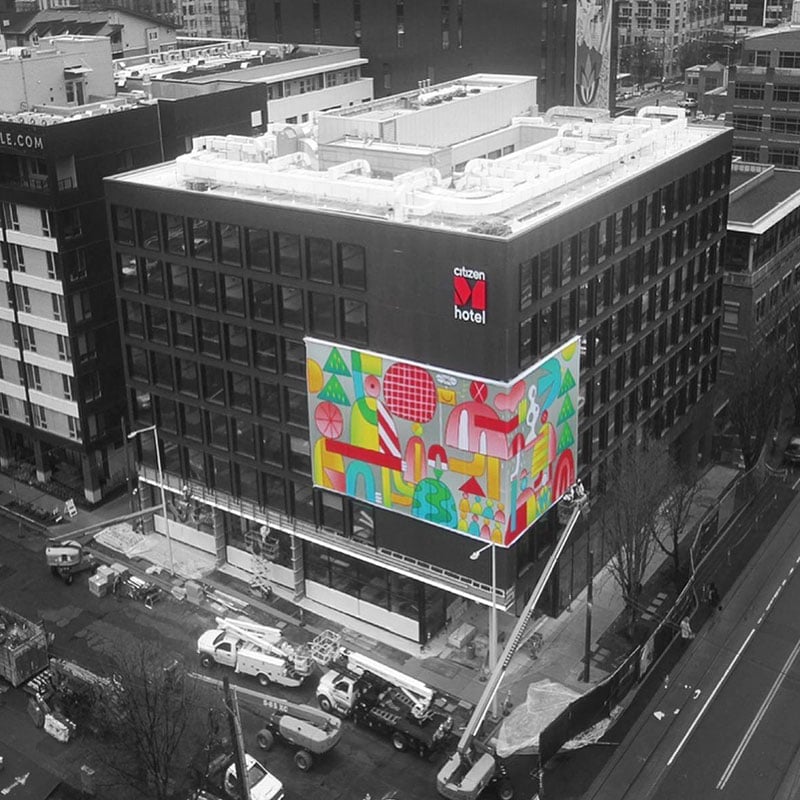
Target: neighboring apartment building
x=761, y=13
x=667, y=25
x=131, y=33
x=437, y=41
x=762, y=257
x=214, y=18
x=342, y=353
x=298, y=80
x=764, y=99
x=62, y=129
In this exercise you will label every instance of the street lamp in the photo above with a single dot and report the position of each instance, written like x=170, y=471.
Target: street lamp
x=492, y=618
x=154, y=430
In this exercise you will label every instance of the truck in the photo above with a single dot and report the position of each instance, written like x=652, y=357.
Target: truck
x=67, y=558
x=385, y=700
x=475, y=765
x=312, y=731
x=254, y=649
x=23, y=648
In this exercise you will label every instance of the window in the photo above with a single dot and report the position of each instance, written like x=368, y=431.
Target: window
x=14, y=257
x=178, y=276
x=323, y=320
x=749, y=91
x=210, y=341
x=68, y=385
x=268, y=404
x=213, y=385
x=271, y=445
x=148, y=229
x=201, y=238
x=236, y=344
x=300, y=455
x=287, y=254
x=352, y=266
x=240, y=392
x=53, y=271
x=747, y=122
x=789, y=59
x=74, y=426
x=59, y=310
x=294, y=358
x=262, y=305
x=291, y=307
x=39, y=416
x=233, y=295
x=154, y=277
x=64, y=349
x=205, y=289
x=10, y=218
x=34, y=377
x=22, y=298
x=319, y=260
x=265, y=351
x=48, y=226
x=122, y=224
x=27, y=338
x=175, y=235
x=400, y=23
x=188, y=381
x=354, y=321
x=228, y=244
x=786, y=93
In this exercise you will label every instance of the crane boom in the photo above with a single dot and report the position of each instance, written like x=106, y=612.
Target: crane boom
x=447, y=782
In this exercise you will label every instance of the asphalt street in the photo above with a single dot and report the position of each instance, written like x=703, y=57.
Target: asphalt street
x=88, y=628
x=725, y=722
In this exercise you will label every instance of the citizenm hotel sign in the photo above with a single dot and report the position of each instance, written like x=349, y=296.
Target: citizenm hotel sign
x=482, y=458
x=469, y=295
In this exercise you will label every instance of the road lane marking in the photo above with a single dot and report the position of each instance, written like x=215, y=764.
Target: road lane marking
x=759, y=716
x=710, y=697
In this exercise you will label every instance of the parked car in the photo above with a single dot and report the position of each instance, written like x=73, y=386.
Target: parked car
x=792, y=452
x=689, y=102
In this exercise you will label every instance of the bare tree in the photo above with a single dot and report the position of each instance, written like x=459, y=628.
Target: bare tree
x=674, y=515
x=146, y=719
x=755, y=392
x=636, y=483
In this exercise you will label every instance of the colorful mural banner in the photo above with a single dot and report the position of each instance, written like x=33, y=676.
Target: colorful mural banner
x=479, y=457
x=593, y=28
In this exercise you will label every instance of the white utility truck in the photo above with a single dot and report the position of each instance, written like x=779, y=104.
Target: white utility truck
x=253, y=649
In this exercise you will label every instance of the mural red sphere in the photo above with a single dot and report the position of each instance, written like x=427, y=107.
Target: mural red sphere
x=410, y=392
x=329, y=420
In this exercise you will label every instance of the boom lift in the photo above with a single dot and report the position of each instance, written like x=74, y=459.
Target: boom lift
x=386, y=700
x=473, y=766
x=254, y=649
x=311, y=730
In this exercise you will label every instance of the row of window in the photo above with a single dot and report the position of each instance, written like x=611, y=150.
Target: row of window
x=261, y=301
x=287, y=254
x=37, y=416
x=557, y=266
x=626, y=413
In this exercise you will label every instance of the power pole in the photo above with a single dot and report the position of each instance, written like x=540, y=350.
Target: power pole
x=237, y=740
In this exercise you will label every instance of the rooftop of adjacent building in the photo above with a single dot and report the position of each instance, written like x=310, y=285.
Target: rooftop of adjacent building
x=197, y=59
x=34, y=82
x=361, y=161
x=56, y=21
x=761, y=195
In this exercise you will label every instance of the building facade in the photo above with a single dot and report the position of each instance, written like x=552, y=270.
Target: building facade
x=131, y=33
x=62, y=399
x=447, y=232
x=406, y=43
x=666, y=26
x=298, y=80
x=764, y=99
x=762, y=258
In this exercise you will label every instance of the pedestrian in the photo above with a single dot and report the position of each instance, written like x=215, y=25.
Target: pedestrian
x=687, y=634
x=712, y=596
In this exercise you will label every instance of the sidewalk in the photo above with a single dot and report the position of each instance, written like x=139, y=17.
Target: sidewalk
x=437, y=664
